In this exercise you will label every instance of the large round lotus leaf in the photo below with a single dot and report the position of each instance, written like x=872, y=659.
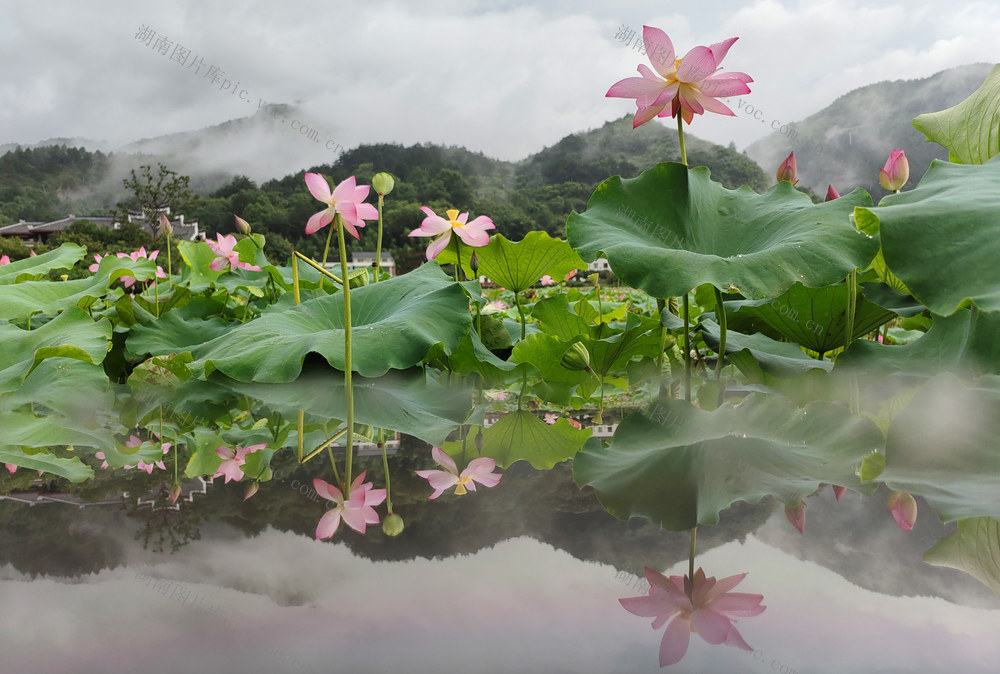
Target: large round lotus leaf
x=969, y=129
x=963, y=342
x=672, y=229
x=395, y=323
x=943, y=446
x=942, y=238
x=521, y=436
x=680, y=466
x=35, y=268
x=815, y=318
x=973, y=548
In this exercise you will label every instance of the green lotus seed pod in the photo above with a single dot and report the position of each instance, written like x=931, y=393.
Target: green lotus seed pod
x=576, y=357
x=383, y=184
x=392, y=525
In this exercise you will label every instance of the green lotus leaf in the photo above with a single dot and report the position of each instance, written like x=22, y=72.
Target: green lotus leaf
x=672, y=229
x=519, y=265
x=943, y=447
x=815, y=318
x=36, y=268
x=778, y=358
x=680, y=466
x=71, y=334
x=70, y=468
x=522, y=436
x=942, y=238
x=174, y=332
x=404, y=401
x=968, y=130
x=24, y=429
x=974, y=549
x=395, y=323
x=962, y=342
x=71, y=388
x=197, y=273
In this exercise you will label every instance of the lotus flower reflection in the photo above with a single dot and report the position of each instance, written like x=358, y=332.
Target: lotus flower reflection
x=357, y=510
x=707, y=608
x=687, y=86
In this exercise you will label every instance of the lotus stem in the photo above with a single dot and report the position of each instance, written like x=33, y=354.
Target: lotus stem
x=720, y=315
x=348, y=390
x=385, y=459
x=687, y=349
x=326, y=444
x=458, y=256
x=170, y=270
x=295, y=292
x=520, y=311
x=320, y=269
x=378, y=271
x=680, y=138
x=326, y=249
x=694, y=539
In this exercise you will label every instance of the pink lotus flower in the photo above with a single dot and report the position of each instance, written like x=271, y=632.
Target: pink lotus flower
x=346, y=199
x=903, y=508
x=227, y=256
x=357, y=510
x=831, y=193
x=100, y=455
x=547, y=280
x=472, y=233
x=10, y=468
x=570, y=275
x=838, y=491
x=233, y=459
x=551, y=418
x=689, y=86
x=797, y=516
x=788, y=171
x=707, y=608
x=479, y=470
x=4, y=259
x=896, y=171
x=574, y=423
x=96, y=264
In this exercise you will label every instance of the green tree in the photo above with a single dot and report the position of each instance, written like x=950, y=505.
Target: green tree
x=149, y=194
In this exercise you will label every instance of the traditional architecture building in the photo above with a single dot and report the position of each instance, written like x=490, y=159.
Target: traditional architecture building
x=365, y=259
x=39, y=232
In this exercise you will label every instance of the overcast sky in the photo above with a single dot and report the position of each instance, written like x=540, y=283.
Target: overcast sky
x=504, y=77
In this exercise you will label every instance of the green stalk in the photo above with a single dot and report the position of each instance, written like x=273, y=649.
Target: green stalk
x=458, y=255
x=326, y=250
x=687, y=349
x=694, y=538
x=295, y=293
x=520, y=312
x=378, y=258
x=348, y=390
x=720, y=316
x=170, y=271
x=680, y=138
x=385, y=459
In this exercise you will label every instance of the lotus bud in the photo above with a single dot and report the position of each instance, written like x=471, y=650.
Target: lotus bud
x=787, y=170
x=175, y=493
x=474, y=262
x=383, y=184
x=903, y=508
x=797, y=516
x=838, y=491
x=576, y=357
x=393, y=524
x=896, y=171
x=251, y=489
x=165, y=225
x=242, y=226
x=831, y=193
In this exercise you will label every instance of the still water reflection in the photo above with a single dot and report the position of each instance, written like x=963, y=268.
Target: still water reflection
x=522, y=577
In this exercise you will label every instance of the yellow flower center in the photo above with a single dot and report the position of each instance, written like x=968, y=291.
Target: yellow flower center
x=460, y=487
x=453, y=221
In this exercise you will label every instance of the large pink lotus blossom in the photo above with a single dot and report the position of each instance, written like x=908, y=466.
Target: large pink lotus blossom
x=479, y=470
x=346, y=199
x=896, y=171
x=707, y=609
x=233, y=459
x=472, y=233
x=903, y=508
x=687, y=86
x=227, y=256
x=358, y=510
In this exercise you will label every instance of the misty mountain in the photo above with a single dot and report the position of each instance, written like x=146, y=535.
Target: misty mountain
x=846, y=143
